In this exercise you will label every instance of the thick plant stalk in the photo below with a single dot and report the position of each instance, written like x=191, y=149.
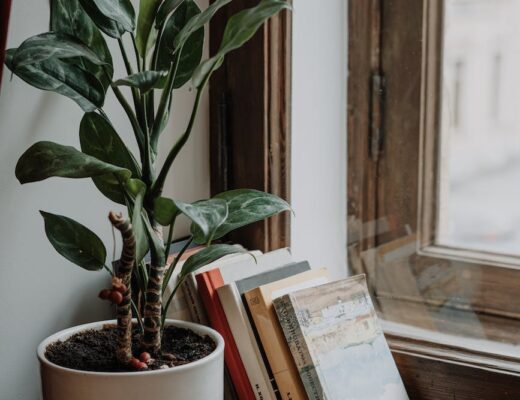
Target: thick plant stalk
x=124, y=275
x=153, y=306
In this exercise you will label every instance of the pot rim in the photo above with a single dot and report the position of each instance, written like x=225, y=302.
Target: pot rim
x=66, y=333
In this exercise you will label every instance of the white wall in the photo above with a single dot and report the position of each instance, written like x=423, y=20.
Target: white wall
x=319, y=149
x=40, y=292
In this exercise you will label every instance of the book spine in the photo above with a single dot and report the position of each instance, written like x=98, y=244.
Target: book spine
x=276, y=349
x=208, y=283
x=247, y=346
x=298, y=346
x=193, y=301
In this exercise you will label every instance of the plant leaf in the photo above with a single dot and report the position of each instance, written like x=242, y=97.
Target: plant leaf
x=207, y=255
x=99, y=139
x=105, y=24
x=66, y=79
x=137, y=189
x=120, y=11
x=247, y=206
x=144, y=81
x=197, y=22
x=47, y=159
x=239, y=29
x=74, y=241
x=165, y=211
x=147, y=11
x=166, y=7
x=52, y=45
x=191, y=53
x=206, y=215
x=68, y=17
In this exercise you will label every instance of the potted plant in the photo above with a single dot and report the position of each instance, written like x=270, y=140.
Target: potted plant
x=142, y=355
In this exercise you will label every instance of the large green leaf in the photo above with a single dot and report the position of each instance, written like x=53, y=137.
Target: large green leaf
x=47, y=159
x=74, y=241
x=197, y=22
x=68, y=17
x=239, y=29
x=107, y=25
x=120, y=11
x=137, y=190
x=207, y=255
x=247, y=206
x=165, y=211
x=207, y=216
x=191, y=53
x=166, y=7
x=52, y=45
x=145, y=25
x=66, y=79
x=144, y=81
x=99, y=139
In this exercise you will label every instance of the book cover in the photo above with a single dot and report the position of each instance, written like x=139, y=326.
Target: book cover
x=187, y=306
x=208, y=282
x=235, y=306
x=273, y=275
x=259, y=301
x=232, y=268
x=246, y=343
x=337, y=343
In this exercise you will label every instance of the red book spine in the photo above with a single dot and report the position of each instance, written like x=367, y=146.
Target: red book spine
x=208, y=283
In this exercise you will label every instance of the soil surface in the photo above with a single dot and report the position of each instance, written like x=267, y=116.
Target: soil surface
x=94, y=350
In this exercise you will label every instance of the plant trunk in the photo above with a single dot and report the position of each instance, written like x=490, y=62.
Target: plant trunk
x=124, y=273
x=153, y=306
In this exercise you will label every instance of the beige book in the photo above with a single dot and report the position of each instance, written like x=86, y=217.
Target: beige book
x=260, y=304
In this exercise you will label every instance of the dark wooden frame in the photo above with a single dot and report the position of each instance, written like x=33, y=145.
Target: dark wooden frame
x=5, y=11
x=392, y=142
x=250, y=121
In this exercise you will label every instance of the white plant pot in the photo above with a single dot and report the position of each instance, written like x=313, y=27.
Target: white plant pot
x=200, y=380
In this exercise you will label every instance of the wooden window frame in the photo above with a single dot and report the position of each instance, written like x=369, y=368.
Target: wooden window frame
x=392, y=172
x=250, y=121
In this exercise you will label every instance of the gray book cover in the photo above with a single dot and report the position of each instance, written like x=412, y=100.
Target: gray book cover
x=337, y=343
x=285, y=271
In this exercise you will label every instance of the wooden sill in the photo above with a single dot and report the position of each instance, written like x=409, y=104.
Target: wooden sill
x=437, y=371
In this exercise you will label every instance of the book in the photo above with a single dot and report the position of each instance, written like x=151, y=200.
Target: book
x=181, y=307
x=245, y=341
x=337, y=343
x=232, y=269
x=271, y=275
x=207, y=283
x=259, y=301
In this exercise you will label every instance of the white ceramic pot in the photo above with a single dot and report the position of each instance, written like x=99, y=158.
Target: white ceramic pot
x=200, y=380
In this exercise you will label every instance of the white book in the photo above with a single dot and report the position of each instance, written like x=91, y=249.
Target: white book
x=182, y=306
x=242, y=266
x=245, y=341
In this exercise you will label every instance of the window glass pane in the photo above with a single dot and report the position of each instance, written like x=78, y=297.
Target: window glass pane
x=479, y=185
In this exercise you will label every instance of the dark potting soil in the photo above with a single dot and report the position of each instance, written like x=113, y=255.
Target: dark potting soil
x=95, y=350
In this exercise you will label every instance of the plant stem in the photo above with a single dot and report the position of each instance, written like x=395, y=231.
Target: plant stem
x=135, y=92
x=174, y=263
x=169, y=240
x=164, y=103
x=159, y=183
x=124, y=272
x=153, y=300
x=133, y=120
x=138, y=316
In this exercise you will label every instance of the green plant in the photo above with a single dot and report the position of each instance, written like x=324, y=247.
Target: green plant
x=73, y=59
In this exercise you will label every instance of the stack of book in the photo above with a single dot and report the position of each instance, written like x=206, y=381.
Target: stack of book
x=290, y=332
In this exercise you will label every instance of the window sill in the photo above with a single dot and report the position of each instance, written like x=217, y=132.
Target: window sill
x=437, y=370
